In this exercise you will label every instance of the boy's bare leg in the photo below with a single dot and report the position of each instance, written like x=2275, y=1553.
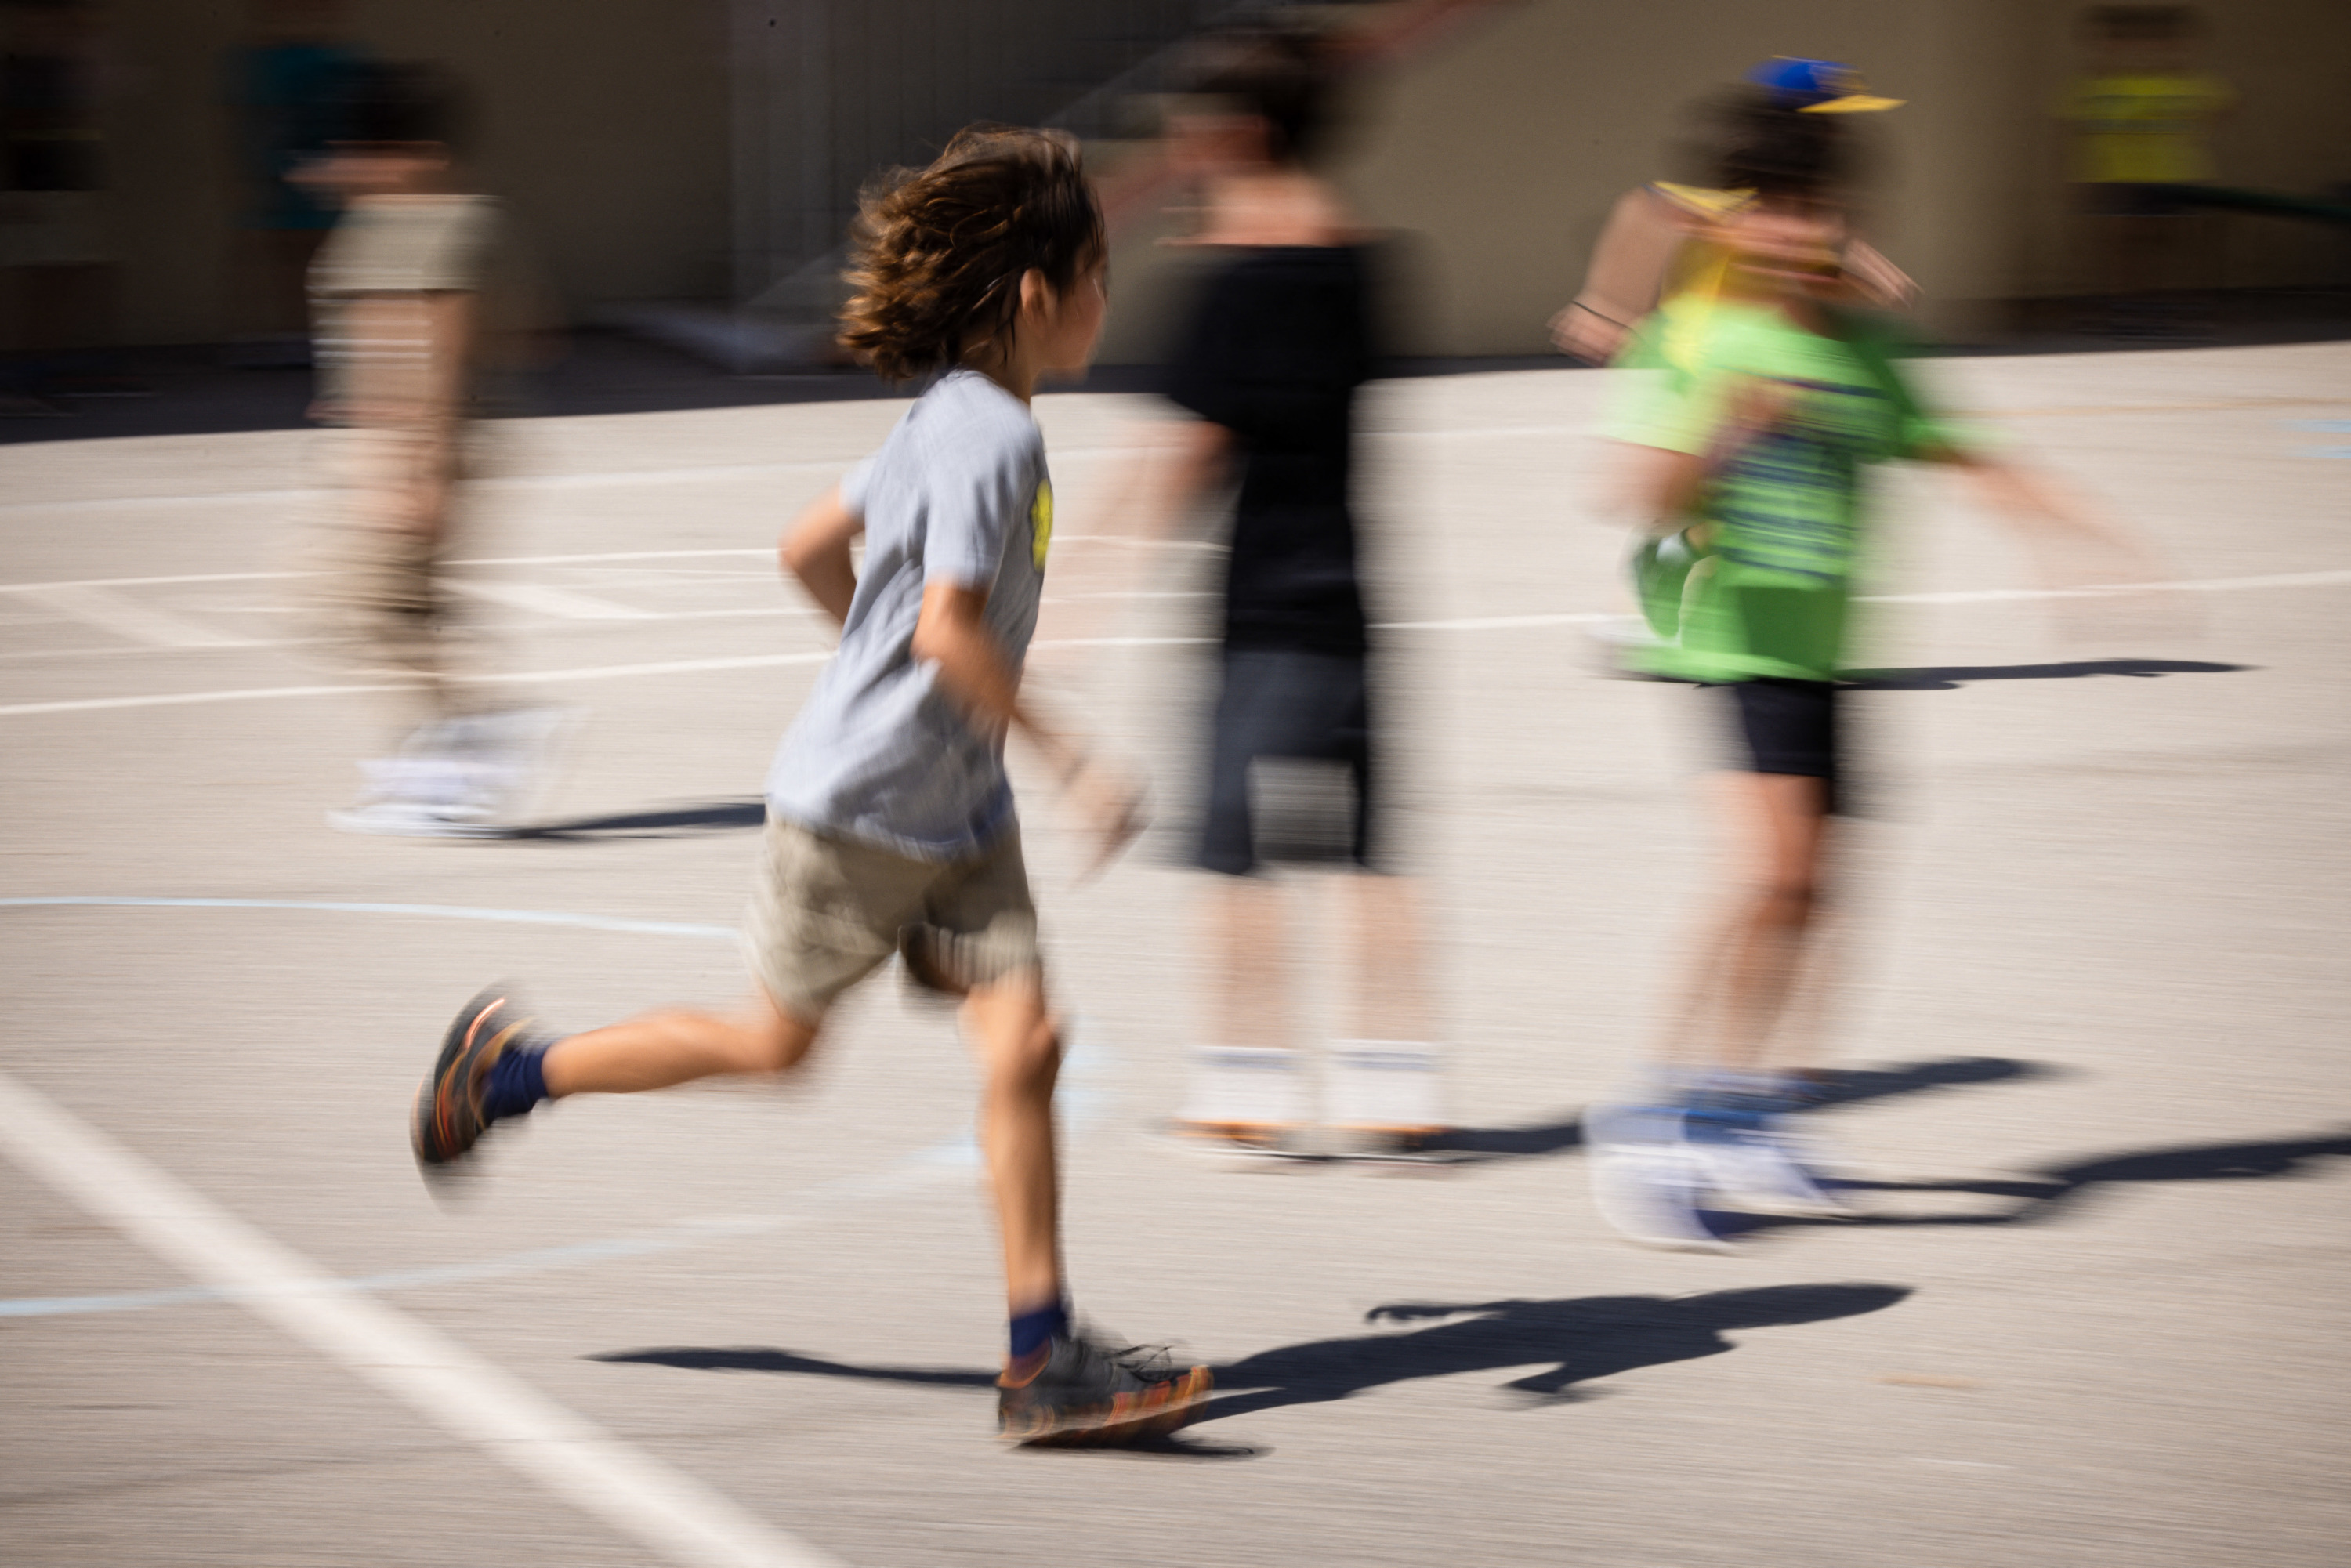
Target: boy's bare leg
x=1019, y=1054
x=664, y=1048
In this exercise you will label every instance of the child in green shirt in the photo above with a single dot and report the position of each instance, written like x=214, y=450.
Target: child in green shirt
x=1766, y=405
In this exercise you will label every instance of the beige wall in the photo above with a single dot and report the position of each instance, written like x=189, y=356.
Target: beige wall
x=2290, y=62
x=603, y=121
x=1504, y=149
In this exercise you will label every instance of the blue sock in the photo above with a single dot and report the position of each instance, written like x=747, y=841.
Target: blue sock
x=517, y=1081
x=1033, y=1331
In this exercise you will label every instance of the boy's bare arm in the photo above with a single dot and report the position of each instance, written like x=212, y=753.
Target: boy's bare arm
x=815, y=550
x=952, y=634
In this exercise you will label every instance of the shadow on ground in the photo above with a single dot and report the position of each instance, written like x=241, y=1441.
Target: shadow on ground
x=1578, y=1341
x=1575, y=1341
x=2041, y=1195
x=1945, y=678
x=670, y=822
x=1841, y=1086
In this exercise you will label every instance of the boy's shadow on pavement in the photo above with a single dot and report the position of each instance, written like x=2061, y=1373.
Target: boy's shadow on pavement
x=1842, y=1086
x=2043, y=1194
x=1582, y=1339
x=1585, y=1338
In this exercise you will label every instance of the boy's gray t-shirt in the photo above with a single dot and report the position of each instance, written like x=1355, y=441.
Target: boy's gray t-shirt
x=957, y=493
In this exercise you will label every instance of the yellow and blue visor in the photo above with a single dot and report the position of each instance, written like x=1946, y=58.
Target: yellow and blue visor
x=1817, y=87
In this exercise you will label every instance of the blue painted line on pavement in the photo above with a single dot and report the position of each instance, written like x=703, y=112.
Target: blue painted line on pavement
x=958, y=1154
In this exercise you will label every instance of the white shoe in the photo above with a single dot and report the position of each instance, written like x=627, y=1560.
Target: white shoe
x=505, y=757
x=1754, y=1167
x=1646, y=1180
x=1384, y=1092
x=1250, y=1097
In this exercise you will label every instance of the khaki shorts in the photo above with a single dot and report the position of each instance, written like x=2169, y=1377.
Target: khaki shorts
x=827, y=912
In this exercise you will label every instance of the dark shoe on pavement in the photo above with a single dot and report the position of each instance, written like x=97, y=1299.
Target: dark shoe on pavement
x=448, y=1120
x=1083, y=1394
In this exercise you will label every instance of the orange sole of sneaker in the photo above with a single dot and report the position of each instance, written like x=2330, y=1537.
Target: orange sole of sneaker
x=1133, y=1419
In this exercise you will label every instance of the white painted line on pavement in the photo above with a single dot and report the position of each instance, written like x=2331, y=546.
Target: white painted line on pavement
x=621, y=923
x=180, y=699
x=1961, y=596
x=1480, y=624
x=600, y=479
x=2118, y=589
x=1505, y=623
x=672, y=1513
x=151, y=581
x=289, y=576
x=544, y=599
x=766, y=551
x=112, y=611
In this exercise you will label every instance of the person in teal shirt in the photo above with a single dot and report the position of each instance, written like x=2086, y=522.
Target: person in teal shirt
x=1765, y=403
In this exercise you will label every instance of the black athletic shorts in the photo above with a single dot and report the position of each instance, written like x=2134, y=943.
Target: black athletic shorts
x=1287, y=706
x=1789, y=726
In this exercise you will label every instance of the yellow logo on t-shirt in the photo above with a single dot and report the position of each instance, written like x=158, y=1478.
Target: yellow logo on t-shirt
x=1041, y=523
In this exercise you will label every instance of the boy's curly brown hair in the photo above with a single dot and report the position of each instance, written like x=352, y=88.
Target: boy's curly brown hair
x=937, y=254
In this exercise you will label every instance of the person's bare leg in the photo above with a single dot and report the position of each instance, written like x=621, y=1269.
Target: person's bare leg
x=664, y=1048
x=1690, y=1036
x=1019, y=1054
x=1249, y=938
x=1392, y=999
x=1781, y=821
x=1821, y=970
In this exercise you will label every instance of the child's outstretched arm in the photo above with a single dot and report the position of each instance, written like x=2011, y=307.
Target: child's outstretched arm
x=2075, y=550
x=2032, y=501
x=815, y=550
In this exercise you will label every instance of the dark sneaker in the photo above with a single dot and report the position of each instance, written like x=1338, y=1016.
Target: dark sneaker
x=448, y=1119
x=1083, y=1394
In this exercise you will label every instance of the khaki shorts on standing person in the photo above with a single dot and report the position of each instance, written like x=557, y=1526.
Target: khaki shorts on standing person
x=827, y=910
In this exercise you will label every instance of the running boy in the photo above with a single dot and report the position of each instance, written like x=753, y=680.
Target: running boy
x=1772, y=397
x=888, y=812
